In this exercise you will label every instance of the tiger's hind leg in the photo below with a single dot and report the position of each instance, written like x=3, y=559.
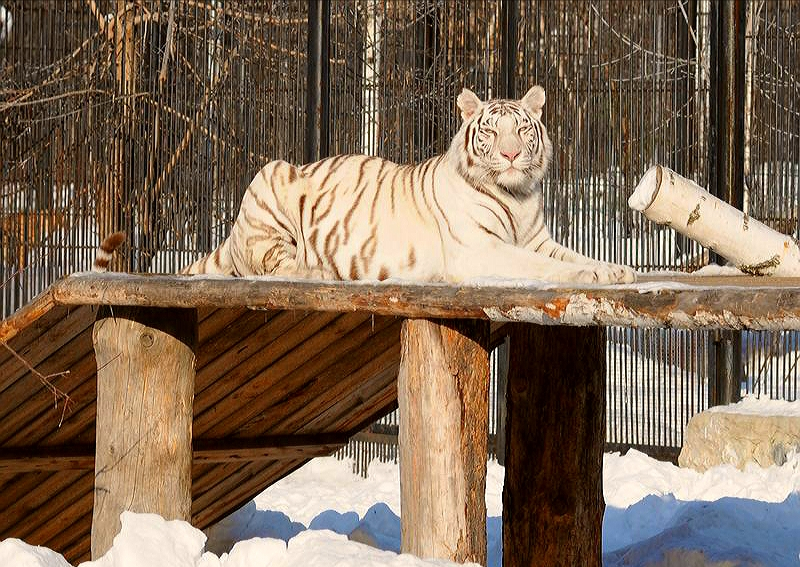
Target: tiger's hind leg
x=218, y=262
x=264, y=238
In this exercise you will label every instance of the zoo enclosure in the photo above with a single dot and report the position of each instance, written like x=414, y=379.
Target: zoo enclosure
x=152, y=116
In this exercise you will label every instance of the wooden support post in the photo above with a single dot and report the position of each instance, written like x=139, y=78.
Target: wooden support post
x=553, y=498
x=443, y=395
x=500, y=403
x=145, y=385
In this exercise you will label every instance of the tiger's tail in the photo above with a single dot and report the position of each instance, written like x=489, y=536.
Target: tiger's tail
x=105, y=252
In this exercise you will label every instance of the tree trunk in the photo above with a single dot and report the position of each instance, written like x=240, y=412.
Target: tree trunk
x=443, y=394
x=145, y=386
x=552, y=497
x=665, y=197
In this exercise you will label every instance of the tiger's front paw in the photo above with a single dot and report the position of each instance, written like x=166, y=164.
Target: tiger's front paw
x=621, y=273
x=606, y=274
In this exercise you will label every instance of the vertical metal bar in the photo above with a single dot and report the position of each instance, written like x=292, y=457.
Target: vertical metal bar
x=685, y=113
x=726, y=162
x=426, y=47
x=318, y=77
x=726, y=147
x=509, y=33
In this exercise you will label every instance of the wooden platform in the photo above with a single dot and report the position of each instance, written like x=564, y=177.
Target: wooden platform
x=286, y=371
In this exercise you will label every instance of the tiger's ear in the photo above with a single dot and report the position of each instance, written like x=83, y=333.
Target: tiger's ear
x=533, y=101
x=469, y=103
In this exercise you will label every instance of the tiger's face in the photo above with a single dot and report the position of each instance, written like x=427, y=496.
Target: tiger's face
x=503, y=141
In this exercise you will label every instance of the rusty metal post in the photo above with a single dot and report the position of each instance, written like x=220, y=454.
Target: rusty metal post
x=318, y=81
x=726, y=164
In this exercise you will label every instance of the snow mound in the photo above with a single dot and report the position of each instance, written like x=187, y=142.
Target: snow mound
x=19, y=554
x=714, y=532
x=148, y=540
x=753, y=405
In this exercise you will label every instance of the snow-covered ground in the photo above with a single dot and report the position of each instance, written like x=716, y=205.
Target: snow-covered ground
x=331, y=517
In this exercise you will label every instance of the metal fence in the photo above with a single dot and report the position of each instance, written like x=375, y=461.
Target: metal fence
x=152, y=116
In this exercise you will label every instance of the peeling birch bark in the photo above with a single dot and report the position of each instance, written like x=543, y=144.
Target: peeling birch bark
x=669, y=199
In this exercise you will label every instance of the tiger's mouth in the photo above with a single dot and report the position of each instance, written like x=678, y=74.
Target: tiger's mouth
x=513, y=178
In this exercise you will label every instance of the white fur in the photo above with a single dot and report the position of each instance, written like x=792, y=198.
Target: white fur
x=460, y=216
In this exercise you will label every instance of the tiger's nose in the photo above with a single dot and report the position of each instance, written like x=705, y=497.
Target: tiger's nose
x=510, y=155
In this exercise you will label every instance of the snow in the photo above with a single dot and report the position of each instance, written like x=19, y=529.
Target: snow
x=6, y=22
x=753, y=405
x=747, y=517
x=717, y=270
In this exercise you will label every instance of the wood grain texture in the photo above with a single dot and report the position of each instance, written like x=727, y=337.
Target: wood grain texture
x=295, y=374
x=315, y=358
x=272, y=447
x=552, y=496
x=443, y=395
x=696, y=303
x=145, y=386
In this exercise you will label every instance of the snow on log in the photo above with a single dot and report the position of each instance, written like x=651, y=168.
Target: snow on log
x=669, y=199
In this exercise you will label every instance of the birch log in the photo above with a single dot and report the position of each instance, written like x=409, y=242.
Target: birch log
x=669, y=199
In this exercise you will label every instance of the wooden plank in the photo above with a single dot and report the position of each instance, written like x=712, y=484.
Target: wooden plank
x=236, y=489
x=28, y=398
x=443, y=395
x=26, y=315
x=145, y=386
x=38, y=420
x=345, y=386
x=377, y=404
x=552, y=496
x=694, y=303
x=237, y=331
x=33, y=459
x=59, y=335
x=312, y=375
x=237, y=406
x=74, y=542
x=358, y=394
x=252, y=353
x=218, y=321
x=206, y=476
x=74, y=501
x=14, y=460
x=275, y=448
x=60, y=491
x=35, y=329
x=204, y=313
x=29, y=492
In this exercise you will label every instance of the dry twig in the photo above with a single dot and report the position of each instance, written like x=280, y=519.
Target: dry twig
x=58, y=394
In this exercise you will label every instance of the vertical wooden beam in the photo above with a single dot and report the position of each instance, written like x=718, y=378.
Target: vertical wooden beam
x=553, y=498
x=500, y=403
x=443, y=395
x=145, y=386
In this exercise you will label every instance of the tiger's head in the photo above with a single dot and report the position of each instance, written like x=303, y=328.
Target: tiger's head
x=502, y=142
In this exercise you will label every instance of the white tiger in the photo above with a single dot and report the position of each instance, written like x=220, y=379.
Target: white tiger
x=473, y=212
